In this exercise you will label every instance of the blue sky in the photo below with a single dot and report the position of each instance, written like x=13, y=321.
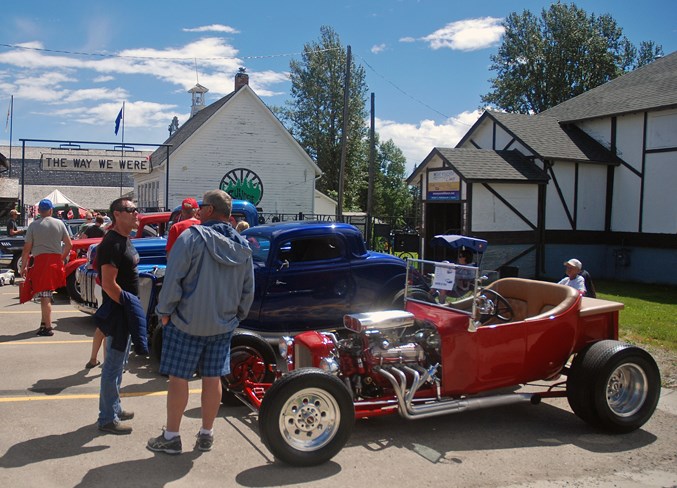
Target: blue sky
x=426, y=60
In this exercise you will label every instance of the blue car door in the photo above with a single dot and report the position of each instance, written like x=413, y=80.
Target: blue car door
x=309, y=285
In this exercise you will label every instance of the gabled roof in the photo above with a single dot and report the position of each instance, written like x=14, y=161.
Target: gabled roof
x=545, y=137
x=187, y=129
x=487, y=165
x=653, y=86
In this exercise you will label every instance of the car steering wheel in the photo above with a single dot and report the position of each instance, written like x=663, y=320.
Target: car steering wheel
x=491, y=304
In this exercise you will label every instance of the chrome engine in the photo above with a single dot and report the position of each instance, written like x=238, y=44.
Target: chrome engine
x=392, y=339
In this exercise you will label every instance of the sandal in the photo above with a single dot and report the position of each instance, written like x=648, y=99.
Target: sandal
x=44, y=331
x=91, y=364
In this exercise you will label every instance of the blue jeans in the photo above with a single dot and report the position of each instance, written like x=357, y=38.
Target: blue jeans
x=111, y=379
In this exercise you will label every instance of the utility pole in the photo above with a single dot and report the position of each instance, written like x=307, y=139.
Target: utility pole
x=344, y=138
x=372, y=174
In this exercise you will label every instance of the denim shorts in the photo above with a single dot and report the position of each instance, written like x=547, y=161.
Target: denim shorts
x=184, y=354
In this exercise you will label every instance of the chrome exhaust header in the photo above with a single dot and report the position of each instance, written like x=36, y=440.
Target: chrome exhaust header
x=398, y=379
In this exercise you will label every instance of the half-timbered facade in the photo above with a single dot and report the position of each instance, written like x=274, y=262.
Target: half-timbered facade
x=601, y=171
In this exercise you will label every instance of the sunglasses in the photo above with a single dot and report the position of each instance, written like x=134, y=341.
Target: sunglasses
x=205, y=205
x=128, y=209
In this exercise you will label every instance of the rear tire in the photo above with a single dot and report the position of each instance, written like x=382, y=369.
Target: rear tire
x=251, y=358
x=306, y=417
x=614, y=386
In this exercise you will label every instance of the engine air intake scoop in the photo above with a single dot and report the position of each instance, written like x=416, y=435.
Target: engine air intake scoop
x=389, y=319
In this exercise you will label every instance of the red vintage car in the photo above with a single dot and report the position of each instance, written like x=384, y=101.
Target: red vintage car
x=441, y=358
x=150, y=225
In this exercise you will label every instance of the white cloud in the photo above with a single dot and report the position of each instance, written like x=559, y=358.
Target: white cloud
x=377, y=48
x=407, y=39
x=103, y=79
x=137, y=114
x=467, y=35
x=212, y=28
x=417, y=140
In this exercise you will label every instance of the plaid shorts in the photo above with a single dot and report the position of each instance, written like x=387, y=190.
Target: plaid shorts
x=183, y=354
x=42, y=294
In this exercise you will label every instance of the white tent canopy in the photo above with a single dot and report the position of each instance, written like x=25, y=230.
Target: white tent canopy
x=58, y=199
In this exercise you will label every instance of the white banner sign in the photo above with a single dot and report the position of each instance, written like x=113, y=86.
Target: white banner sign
x=445, y=278
x=101, y=164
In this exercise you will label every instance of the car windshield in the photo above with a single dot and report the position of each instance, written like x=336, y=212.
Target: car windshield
x=260, y=247
x=445, y=283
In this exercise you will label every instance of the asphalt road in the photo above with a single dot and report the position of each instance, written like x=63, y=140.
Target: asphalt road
x=48, y=434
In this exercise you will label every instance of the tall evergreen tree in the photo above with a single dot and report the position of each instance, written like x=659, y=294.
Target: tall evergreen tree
x=545, y=61
x=314, y=114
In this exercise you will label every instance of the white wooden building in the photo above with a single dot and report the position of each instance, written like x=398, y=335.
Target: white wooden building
x=592, y=178
x=236, y=144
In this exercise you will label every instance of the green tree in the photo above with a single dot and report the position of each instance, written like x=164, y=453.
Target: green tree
x=314, y=114
x=392, y=197
x=544, y=61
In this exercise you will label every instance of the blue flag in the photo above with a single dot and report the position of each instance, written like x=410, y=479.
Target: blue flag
x=117, y=122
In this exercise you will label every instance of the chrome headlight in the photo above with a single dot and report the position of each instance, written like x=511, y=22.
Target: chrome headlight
x=329, y=365
x=283, y=345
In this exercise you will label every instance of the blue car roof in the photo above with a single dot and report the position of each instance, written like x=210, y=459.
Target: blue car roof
x=302, y=227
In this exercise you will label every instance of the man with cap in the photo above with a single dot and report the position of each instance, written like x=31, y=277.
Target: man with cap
x=187, y=218
x=573, y=276
x=12, y=229
x=47, y=240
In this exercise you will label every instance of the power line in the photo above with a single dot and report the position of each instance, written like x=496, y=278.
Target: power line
x=191, y=58
x=400, y=89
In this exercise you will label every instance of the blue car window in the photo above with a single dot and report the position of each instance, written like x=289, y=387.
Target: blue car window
x=312, y=249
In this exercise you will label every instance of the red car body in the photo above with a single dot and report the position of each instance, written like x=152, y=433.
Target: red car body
x=434, y=359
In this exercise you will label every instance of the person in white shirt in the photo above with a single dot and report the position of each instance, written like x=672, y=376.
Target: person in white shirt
x=573, y=277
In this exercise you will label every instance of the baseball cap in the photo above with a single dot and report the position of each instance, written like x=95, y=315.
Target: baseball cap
x=13, y=212
x=189, y=203
x=45, y=204
x=575, y=263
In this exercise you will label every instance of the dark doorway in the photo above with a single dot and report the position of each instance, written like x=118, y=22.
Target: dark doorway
x=441, y=218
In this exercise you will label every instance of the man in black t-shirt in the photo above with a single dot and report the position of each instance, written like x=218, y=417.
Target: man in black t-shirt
x=95, y=230
x=12, y=229
x=117, y=265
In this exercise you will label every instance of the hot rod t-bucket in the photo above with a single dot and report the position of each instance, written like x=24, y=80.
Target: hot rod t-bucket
x=441, y=358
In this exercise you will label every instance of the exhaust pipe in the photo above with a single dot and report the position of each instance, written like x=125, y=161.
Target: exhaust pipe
x=410, y=411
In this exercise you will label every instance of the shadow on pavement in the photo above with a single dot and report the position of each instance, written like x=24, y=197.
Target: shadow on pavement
x=279, y=474
x=51, y=447
x=158, y=470
x=55, y=386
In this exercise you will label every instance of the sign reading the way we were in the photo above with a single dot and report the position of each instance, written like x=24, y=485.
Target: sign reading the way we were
x=101, y=163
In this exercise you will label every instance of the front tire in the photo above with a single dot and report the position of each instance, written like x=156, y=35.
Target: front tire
x=72, y=289
x=614, y=386
x=306, y=417
x=251, y=358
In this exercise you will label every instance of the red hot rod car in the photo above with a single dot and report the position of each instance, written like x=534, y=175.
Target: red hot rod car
x=434, y=359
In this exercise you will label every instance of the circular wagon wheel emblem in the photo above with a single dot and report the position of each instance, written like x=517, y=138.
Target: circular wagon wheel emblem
x=243, y=184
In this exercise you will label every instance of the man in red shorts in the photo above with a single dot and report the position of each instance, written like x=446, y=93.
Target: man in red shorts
x=47, y=240
x=187, y=218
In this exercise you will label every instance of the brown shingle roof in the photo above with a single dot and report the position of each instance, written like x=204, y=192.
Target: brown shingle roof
x=653, y=86
x=547, y=138
x=487, y=165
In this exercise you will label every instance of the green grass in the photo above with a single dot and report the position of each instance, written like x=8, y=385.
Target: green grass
x=650, y=313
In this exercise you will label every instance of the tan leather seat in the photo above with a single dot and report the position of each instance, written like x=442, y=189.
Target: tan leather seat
x=532, y=300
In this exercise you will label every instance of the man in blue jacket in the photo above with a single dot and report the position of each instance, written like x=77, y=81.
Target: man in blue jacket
x=120, y=315
x=207, y=290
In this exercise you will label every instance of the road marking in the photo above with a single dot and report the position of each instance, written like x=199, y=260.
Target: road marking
x=31, y=343
x=88, y=396
x=33, y=312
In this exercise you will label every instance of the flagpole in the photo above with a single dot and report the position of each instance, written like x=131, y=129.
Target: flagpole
x=11, y=128
x=123, y=142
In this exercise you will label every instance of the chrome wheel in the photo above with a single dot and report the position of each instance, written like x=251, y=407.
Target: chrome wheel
x=627, y=389
x=309, y=419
